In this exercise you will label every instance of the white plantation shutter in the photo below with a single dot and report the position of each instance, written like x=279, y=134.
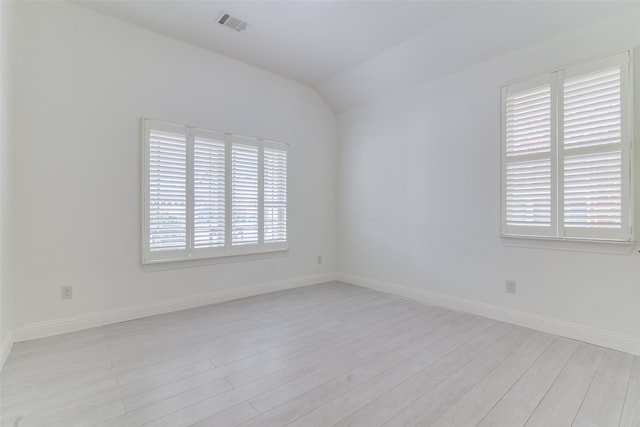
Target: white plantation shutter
x=275, y=194
x=593, y=191
x=166, y=191
x=209, y=191
x=210, y=194
x=592, y=109
x=528, y=152
x=529, y=121
x=528, y=195
x=244, y=193
x=594, y=175
x=582, y=153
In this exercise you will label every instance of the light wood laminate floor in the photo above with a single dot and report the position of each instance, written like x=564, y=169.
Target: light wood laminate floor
x=323, y=355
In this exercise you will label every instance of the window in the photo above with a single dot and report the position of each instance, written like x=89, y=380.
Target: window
x=209, y=194
x=566, y=144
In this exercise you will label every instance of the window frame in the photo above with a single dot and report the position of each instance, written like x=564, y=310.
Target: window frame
x=228, y=250
x=555, y=78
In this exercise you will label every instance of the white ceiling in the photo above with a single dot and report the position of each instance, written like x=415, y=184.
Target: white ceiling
x=353, y=52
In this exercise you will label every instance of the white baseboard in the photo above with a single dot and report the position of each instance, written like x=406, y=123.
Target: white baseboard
x=91, y=320
x=6, y=344
x=579, y=332
x=588, y=334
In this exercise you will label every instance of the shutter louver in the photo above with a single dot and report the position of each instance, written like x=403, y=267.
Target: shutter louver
x=593, y=191
x=592, y=109
x=244, y=195
x=208, y=193
x=275, y=196
x=528, y=194
x=528, y=127
x=167, y=191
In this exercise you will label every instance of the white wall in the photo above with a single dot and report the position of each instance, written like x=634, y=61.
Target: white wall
x=83, y=81
x=419, y=202
x=6, y=187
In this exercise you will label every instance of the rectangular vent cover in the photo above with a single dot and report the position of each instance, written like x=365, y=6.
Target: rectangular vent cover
x=231, y=22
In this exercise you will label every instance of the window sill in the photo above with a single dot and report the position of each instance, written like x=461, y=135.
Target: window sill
x=203, y=262
x=574, y=245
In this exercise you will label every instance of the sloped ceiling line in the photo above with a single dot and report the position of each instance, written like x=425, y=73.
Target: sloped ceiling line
x=354, y=52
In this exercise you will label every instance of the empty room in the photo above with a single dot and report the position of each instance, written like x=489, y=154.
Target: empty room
x=319, y=213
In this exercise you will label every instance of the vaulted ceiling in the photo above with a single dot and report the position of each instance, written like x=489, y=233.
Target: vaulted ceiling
x=353, y=52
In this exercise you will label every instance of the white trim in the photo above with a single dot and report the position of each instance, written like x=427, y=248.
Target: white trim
x=189, y=199
x=575, y=245
x=260, y=195
x=7, y=344
x=623, y=57
x=92, y=320
x=202, y=262
x=584, y=333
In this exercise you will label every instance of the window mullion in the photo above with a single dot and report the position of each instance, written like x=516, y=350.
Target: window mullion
x=260, y=194
x=557, y=154
x=190, y=207
x=227, y=189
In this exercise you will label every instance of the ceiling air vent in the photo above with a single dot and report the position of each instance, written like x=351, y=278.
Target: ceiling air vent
x=231, y=22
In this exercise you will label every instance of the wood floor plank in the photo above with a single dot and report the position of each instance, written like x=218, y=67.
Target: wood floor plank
x=156, y=394
x=310, y=359
x=230, y=417
x=517, y=405
x=365, y=325
x=266, y=332
x=631, y=411
x=560, y=405
x=63, y=397
x=297, y=378
x=167, y=406
x=470, y=409
x=194, y=408
x=316, y=397
x=224, y=357
x=432, y=404
x=443, y=422
x=16, y=378
x=337, y=312
x=97, y=401
x=427, y=379
x=367, y=364
x=153, y=369
x=602, y=406
x=355, y=364
x=91, y=417
x=438, y=345
x=379, y=410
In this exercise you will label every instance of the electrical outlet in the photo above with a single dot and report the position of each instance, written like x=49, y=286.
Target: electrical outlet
x=510, y=286
x=319, y=259
x=66, y=292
